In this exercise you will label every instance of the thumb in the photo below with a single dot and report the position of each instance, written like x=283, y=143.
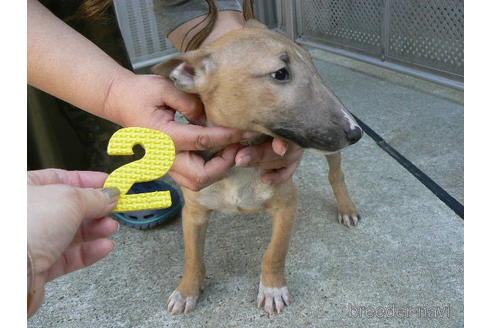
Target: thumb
x=96, y=203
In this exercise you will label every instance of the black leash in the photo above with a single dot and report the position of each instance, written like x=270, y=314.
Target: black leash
x=442, y=194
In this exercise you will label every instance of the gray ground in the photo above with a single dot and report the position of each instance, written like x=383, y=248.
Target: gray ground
x=403, y=263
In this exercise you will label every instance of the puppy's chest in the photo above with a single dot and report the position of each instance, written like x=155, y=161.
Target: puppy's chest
x=241, y=191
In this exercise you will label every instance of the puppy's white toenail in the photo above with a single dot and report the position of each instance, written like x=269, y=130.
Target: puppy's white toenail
x=272, y=299
x=178, y=303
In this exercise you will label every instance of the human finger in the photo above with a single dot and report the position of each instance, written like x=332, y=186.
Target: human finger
x=95, y=229
x=93, y=203
x=84, y=179
x=193, y=172
x=188, y=104
x=263, y=156
x=79, y=256
x=195, y=137
x=280, y=146
x=280, y=175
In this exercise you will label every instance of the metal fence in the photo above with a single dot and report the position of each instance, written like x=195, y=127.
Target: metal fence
x=145, y=44
x=426, y=33
x=419, y=37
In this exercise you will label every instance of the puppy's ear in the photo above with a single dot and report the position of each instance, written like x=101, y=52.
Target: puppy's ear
x=165, y=68
x=253, y=23
x=187, y=70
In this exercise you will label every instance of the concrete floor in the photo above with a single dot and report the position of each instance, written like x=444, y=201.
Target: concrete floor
x=404, y=261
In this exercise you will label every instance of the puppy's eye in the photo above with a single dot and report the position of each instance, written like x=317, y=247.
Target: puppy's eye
x=281, y=75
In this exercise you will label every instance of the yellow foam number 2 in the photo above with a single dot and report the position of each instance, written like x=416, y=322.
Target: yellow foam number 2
x=158, y=159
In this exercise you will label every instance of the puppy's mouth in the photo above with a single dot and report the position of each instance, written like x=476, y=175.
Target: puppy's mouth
x=327, y=142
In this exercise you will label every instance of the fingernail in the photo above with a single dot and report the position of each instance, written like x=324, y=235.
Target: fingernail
x=249, y=134
x=266, y=181
x=279, y=147
x=243, y=161
x=112, y=193
x=282, y=153
x=118, y=226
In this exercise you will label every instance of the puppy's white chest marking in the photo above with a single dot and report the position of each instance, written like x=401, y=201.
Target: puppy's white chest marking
x=242, y=190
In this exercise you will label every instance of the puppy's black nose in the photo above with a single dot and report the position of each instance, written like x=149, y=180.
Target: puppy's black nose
x=353, y=135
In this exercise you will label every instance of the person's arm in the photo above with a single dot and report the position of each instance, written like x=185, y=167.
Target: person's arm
x=65, y=64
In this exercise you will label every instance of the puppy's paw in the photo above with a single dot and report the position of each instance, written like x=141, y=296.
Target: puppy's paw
x=272, y=299
x=177, y=303
x=349, y=219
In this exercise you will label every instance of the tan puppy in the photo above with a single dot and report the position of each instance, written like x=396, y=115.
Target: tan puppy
x=256, y=79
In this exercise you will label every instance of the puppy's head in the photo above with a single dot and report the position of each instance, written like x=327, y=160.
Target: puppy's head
x=257, y=79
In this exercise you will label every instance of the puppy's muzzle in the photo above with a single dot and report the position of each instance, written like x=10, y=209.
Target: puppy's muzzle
x=331, y=139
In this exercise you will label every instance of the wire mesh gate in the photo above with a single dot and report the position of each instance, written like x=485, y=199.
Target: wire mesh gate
x=420, y=37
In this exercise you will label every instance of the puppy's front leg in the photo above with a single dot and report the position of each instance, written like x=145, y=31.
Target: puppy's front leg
x=184, y=298
x=273, y=293
x=347, y=213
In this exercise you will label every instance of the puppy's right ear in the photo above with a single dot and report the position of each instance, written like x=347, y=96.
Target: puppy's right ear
x=187, y=70
x=165, y=68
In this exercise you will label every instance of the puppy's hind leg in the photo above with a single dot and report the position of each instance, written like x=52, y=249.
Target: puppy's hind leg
x=184, y=298
x=347, y=213
x=273, y=294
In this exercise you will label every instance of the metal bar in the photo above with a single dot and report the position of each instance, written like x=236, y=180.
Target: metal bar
x=280, y=16
x=385, y=29
x=122, y=18
x=395, y=67
x=298, y=18
x=153, y=61
x=290, y=18
x=260, y=11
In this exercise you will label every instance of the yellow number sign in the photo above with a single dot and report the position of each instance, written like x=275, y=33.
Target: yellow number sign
x=158, y=159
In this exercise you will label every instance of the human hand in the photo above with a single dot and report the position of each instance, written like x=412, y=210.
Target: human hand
x=151, y=101
x=279, y=157
x=66, y=225
x=88, y=78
